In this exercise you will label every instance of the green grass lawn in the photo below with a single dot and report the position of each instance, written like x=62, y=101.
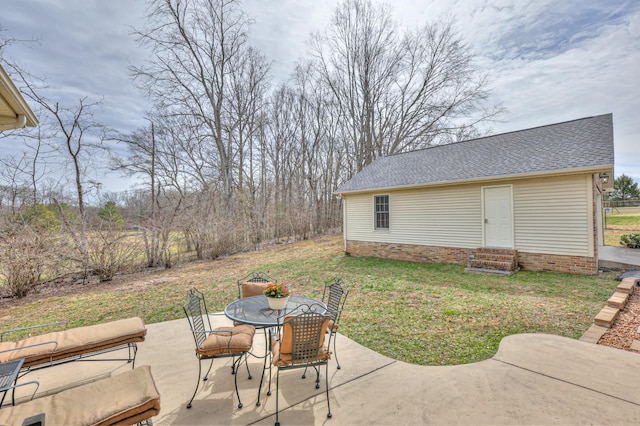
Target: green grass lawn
x=623, y=220
x=428, y=314
x=619, y=222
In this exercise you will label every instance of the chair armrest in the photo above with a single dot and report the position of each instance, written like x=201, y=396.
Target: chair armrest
x=50, y=342
x=15, y=330
x=33, y=382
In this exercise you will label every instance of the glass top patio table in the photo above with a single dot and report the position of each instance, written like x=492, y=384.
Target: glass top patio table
x=255, y=310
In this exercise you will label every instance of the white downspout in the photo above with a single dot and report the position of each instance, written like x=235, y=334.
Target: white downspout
x=344, y=222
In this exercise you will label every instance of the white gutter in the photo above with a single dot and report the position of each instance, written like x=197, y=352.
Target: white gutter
x=21, y=122
x=13, y=98
x=544, y=173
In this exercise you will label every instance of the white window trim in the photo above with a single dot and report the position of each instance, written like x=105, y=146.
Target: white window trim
x=375, y=228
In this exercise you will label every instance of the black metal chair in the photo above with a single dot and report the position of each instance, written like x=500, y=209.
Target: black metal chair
x=334, y=296
x=254, y=284
x=222, y=342
x=300, y=344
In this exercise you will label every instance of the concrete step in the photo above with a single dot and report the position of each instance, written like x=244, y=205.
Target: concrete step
x=607, y=316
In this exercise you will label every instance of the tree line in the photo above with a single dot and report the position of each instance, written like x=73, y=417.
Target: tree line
x=229, y=160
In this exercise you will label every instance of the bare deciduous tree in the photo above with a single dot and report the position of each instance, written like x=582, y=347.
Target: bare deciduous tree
x=396, y=92
x=198, y=47
x=76, y=135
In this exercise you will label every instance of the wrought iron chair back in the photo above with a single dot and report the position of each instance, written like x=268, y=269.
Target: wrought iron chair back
x=195, y=309
x=254, y=277
x=335, y=296
x=305, y=332
x=307, y=337
x=335, y=299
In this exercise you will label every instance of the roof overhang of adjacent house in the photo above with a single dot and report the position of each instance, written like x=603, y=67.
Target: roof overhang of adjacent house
x=15, y=113
x=575, y=147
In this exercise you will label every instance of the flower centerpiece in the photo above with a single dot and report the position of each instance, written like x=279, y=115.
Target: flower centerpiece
x=277, y=295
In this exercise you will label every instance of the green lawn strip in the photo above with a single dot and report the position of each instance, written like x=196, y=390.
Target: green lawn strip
x=428, y=314
x=623, y=220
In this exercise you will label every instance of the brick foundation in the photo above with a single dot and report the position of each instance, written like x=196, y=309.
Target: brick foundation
x=411, y=252
x=557, y=263
x=459, y=256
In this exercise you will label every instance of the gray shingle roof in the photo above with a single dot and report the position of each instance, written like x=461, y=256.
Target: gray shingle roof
x=586, y=143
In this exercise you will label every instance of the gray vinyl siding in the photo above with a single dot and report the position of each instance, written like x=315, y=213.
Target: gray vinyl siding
x=554, y=216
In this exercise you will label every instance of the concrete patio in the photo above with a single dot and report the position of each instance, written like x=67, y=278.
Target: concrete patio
x=533, y=379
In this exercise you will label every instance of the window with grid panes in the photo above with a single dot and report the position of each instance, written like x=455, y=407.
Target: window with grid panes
x=381, y=211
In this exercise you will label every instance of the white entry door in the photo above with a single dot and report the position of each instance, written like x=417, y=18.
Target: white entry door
x=498, y=217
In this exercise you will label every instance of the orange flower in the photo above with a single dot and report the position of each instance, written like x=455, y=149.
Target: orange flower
x=277, y=290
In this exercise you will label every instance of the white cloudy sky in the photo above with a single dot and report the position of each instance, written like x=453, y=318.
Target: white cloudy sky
x=549, y=60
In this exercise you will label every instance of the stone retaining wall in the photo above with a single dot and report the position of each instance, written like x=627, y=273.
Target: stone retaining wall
x=608, y=314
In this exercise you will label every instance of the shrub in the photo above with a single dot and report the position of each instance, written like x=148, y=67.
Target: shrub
x=111, y=252
x=26, y=255
x=631, y=240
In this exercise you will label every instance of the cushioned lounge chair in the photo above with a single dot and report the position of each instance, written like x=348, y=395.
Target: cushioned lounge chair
x=75, y=343
x=124, y=399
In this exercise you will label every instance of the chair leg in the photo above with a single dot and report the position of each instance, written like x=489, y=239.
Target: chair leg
x=326, y=385
x=269, y=390
x=277, y=395
x=246, y=362
x=264, y=367
x=317, y=377
x=235, y=377
x=133, y=348
x=206, y=376
x=335, y=337
x=197, y=383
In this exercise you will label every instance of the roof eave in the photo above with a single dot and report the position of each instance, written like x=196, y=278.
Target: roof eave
x=10, y=93
x=499, y=178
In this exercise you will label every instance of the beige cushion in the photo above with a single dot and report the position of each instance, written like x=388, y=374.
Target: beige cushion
x=235, y=340
x=126, y=398
x=333, y=326
x=281, y=349
x=253, y=289
x=75, y=341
